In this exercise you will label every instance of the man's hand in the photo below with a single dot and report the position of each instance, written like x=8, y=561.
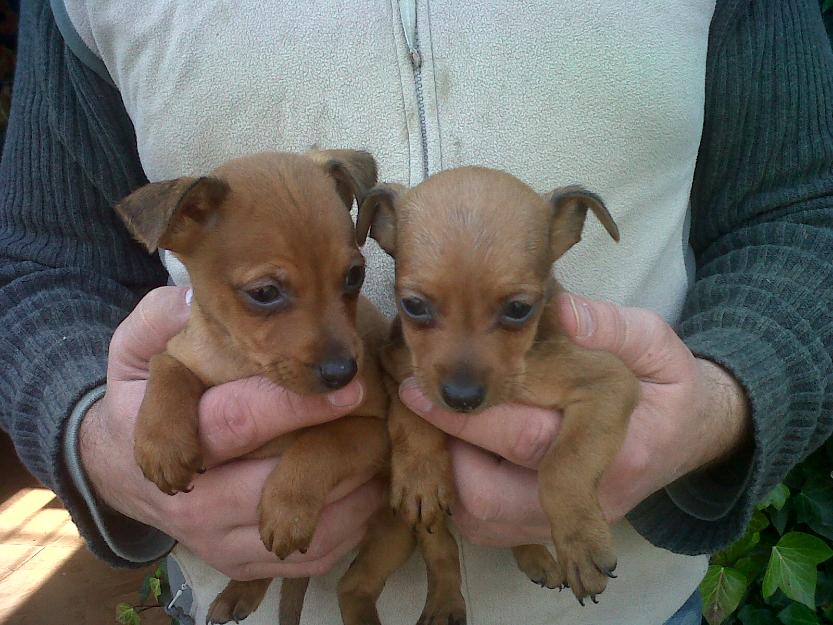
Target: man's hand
x=691, y=413
x=218, y=520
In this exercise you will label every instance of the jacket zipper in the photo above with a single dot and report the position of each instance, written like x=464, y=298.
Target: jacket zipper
x=408, y=15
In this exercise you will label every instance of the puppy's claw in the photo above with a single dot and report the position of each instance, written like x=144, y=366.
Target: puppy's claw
x=581, y=601
x=189, y=489
x=201, y=470
x=593, y=599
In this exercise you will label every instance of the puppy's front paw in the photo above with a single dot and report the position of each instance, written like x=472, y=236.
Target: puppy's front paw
x=584, y=548
x=422, y=489
x=287, y=523
x=170, y=463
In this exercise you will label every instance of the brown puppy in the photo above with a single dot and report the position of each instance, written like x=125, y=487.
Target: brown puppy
x=478, y=327
x=276, y=273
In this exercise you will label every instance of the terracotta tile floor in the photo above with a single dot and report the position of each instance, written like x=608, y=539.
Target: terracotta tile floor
x=47, y=577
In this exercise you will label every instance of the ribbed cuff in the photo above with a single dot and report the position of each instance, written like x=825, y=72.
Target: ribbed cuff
x=714, y=506
x=128, y=539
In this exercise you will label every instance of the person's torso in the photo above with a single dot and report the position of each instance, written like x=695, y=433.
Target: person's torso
x=606, y=95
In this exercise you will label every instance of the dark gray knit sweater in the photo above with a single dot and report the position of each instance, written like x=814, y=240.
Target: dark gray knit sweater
x=762, y=209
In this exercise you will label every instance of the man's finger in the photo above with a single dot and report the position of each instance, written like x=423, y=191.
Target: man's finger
x=157, y=318
x=494, y=491
x=240, y=416
x=499, y=534
x=521, y=434
x=640, y=337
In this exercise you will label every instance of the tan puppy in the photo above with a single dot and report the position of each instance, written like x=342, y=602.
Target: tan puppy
x=478, y=327
x=276, y=273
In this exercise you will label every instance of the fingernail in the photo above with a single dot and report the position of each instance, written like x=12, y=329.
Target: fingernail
x=348, y=396
x=413, y=397
x=584, y=320
x=189, y=296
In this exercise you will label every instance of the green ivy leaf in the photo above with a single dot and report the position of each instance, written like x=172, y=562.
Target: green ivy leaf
x=780, y=518
x=730, y=555
x=814, y=505
x=777, y=498
x=792, y=567
x=759, y=522
x=144, y=591
x=155, y=588
x=797, y=614
x=750, y=615
x=721, y=590
x=126, y=614
x=162, y=573
x=752, y=566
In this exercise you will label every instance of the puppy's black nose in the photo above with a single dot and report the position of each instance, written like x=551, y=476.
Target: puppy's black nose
x=463, y=395
x=337, y=372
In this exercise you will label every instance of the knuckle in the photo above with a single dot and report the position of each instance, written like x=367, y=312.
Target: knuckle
x=532, y=441
x=118, y=342
x=229, y=412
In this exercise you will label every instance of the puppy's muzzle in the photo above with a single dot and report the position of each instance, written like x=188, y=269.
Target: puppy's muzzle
x=337, y=372
x=462, y=394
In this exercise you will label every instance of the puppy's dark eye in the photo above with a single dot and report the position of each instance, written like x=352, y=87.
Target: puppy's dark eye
x=417, y=309
x=269, y=297
x=354, y=279
x=516, y=313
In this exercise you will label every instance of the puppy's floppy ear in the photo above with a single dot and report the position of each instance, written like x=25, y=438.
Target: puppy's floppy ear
x=169, y=214
x=569, y=210
x=377, y=215
x=354, y=172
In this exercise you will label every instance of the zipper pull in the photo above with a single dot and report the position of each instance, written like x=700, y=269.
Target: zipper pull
x=408, y=15
x=177, y=595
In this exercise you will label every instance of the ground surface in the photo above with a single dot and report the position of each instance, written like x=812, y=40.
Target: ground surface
x=47, y=577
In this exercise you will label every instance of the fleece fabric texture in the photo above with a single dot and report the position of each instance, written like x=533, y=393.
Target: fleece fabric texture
x=613, y=98
x=761, y=207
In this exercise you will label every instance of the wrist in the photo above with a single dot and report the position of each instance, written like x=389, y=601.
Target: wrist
x=109, y=468
x=93, y=463
x=723, y=415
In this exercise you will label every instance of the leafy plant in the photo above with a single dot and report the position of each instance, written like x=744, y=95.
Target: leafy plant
x=780, y=572
x=155, y=589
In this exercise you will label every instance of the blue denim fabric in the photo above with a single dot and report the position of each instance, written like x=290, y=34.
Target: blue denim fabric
x=690, y=614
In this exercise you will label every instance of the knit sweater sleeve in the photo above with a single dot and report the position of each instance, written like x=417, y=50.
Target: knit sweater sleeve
x=69, y=272
x=762, y=233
